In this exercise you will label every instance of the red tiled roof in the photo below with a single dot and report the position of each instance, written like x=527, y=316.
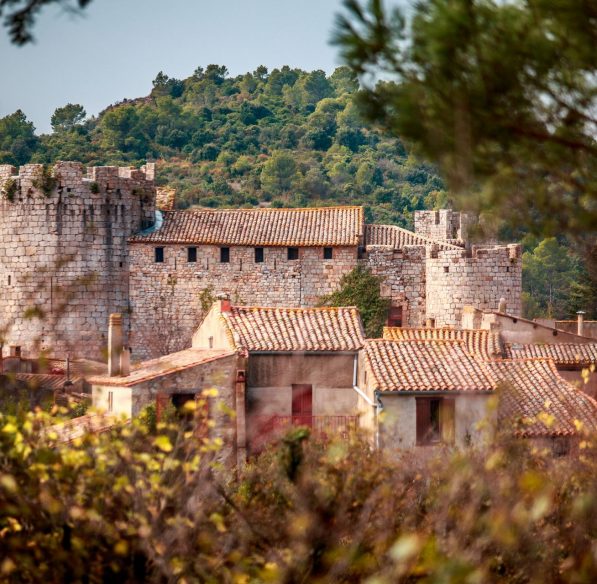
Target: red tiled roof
x=161, y=366
x=562, y=354
x=44, y=381
x=531, y=387
x=323, y=226
x=397, y=237
x=295, y=329
x=483, y=343
x=70, y=430
x=426, y=365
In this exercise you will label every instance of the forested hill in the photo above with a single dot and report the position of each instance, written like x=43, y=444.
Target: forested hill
x=288, y=137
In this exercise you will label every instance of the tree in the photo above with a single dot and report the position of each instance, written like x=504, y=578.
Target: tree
x=501, y=94
x=279, y=173
x=19, y=15
x=17, y=139
x=65, y=119
x=361, y=288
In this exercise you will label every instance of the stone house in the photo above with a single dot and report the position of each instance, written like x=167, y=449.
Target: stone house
x=427, y=392
x=300, y=366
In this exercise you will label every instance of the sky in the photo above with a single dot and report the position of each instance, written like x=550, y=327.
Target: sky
x=117, y=47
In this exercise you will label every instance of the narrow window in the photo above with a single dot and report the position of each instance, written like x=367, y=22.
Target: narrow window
x=191, y=254
x=110, y=401
x=159, y=255
x=224, y=255
x=446, y=269
x=328, y=253
x=258, y=255
x=293, y=253
x=9, y=280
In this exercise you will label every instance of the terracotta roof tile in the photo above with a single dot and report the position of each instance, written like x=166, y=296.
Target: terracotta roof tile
x=295, y=329
x=161, y=366
x=483, y=343
x=562, y=354
x=43, y=381
x=533, y=386
x=323, y=226
x=397, y=237
x=70, y=430
x=425, y=365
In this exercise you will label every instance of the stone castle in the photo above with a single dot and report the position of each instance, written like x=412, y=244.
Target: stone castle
x=78, y=246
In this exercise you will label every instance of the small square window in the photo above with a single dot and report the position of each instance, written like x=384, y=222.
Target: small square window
x=293, y=253
x=328, y=253
x=159, y=255
x=191, y=254
x=258, y=255
x=446, y=269
x=224, y=255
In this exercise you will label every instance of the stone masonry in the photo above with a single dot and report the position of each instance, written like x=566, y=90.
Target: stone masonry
x=64, y=253
x=479, y=277
x=68, y=260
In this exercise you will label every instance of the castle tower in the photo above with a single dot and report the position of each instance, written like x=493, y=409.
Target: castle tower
x=64, y=254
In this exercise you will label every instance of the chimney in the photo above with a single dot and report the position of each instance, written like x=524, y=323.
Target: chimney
x=224, y=302
x=125, y=362
x=114, y=344
x=580, y=323
x=502, y=306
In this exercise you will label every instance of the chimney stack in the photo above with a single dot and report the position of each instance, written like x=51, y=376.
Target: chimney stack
x=114, y=344
x=225, y=304
x=125, y=362
x=580, y=323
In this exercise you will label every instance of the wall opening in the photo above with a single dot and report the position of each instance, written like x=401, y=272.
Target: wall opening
x=159, y=255
x=259, y=255
x=328, y=253
x=224, y=255
x=293, y=253
x=191, y=255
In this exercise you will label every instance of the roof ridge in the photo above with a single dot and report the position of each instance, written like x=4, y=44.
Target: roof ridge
x=261, y=209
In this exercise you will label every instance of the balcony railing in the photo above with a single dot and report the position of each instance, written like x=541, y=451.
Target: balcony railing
x=265, y=429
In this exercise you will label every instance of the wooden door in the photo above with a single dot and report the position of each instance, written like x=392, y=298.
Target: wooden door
x=302, y=405
x=395, y=316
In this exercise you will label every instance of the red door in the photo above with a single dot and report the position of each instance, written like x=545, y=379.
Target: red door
x=302, y=405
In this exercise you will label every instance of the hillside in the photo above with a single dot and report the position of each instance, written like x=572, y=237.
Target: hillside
x=286, y=138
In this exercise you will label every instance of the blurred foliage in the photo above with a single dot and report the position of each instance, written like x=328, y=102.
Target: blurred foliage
x=135, y=505
x=501, y=95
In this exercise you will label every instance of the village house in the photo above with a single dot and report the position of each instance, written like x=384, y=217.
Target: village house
x=300, y=366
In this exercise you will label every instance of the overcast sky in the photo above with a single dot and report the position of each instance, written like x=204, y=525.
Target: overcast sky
x=116, y=49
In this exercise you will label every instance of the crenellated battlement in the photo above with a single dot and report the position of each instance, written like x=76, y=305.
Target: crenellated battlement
x=64, y=252
x=73, y=178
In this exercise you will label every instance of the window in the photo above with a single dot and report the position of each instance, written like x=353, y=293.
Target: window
x=293, y=253
x=9, y=280
x=435, y=421
x=110, y=401
x=258, y=255
x=159, y=255
x=328, y=253
x=224, y=255
x=446, y=269
x=191, y=254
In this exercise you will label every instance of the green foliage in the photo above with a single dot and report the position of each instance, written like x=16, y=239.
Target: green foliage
x=10, y=189
x=132, y=506
x=241, y=141
x=46, y=182
x=361, y=288
x=554, y=282
x=17, y=139
x=67, y=118
x=207, y=298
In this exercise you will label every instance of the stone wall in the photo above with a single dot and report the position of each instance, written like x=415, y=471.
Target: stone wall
x=168, y=300
x=64, y=253
x=444, y=224
x=454, y=279
x=403, y=273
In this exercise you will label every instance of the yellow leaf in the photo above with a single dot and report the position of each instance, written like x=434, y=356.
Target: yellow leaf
x=8, y=483
x=163, y=443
